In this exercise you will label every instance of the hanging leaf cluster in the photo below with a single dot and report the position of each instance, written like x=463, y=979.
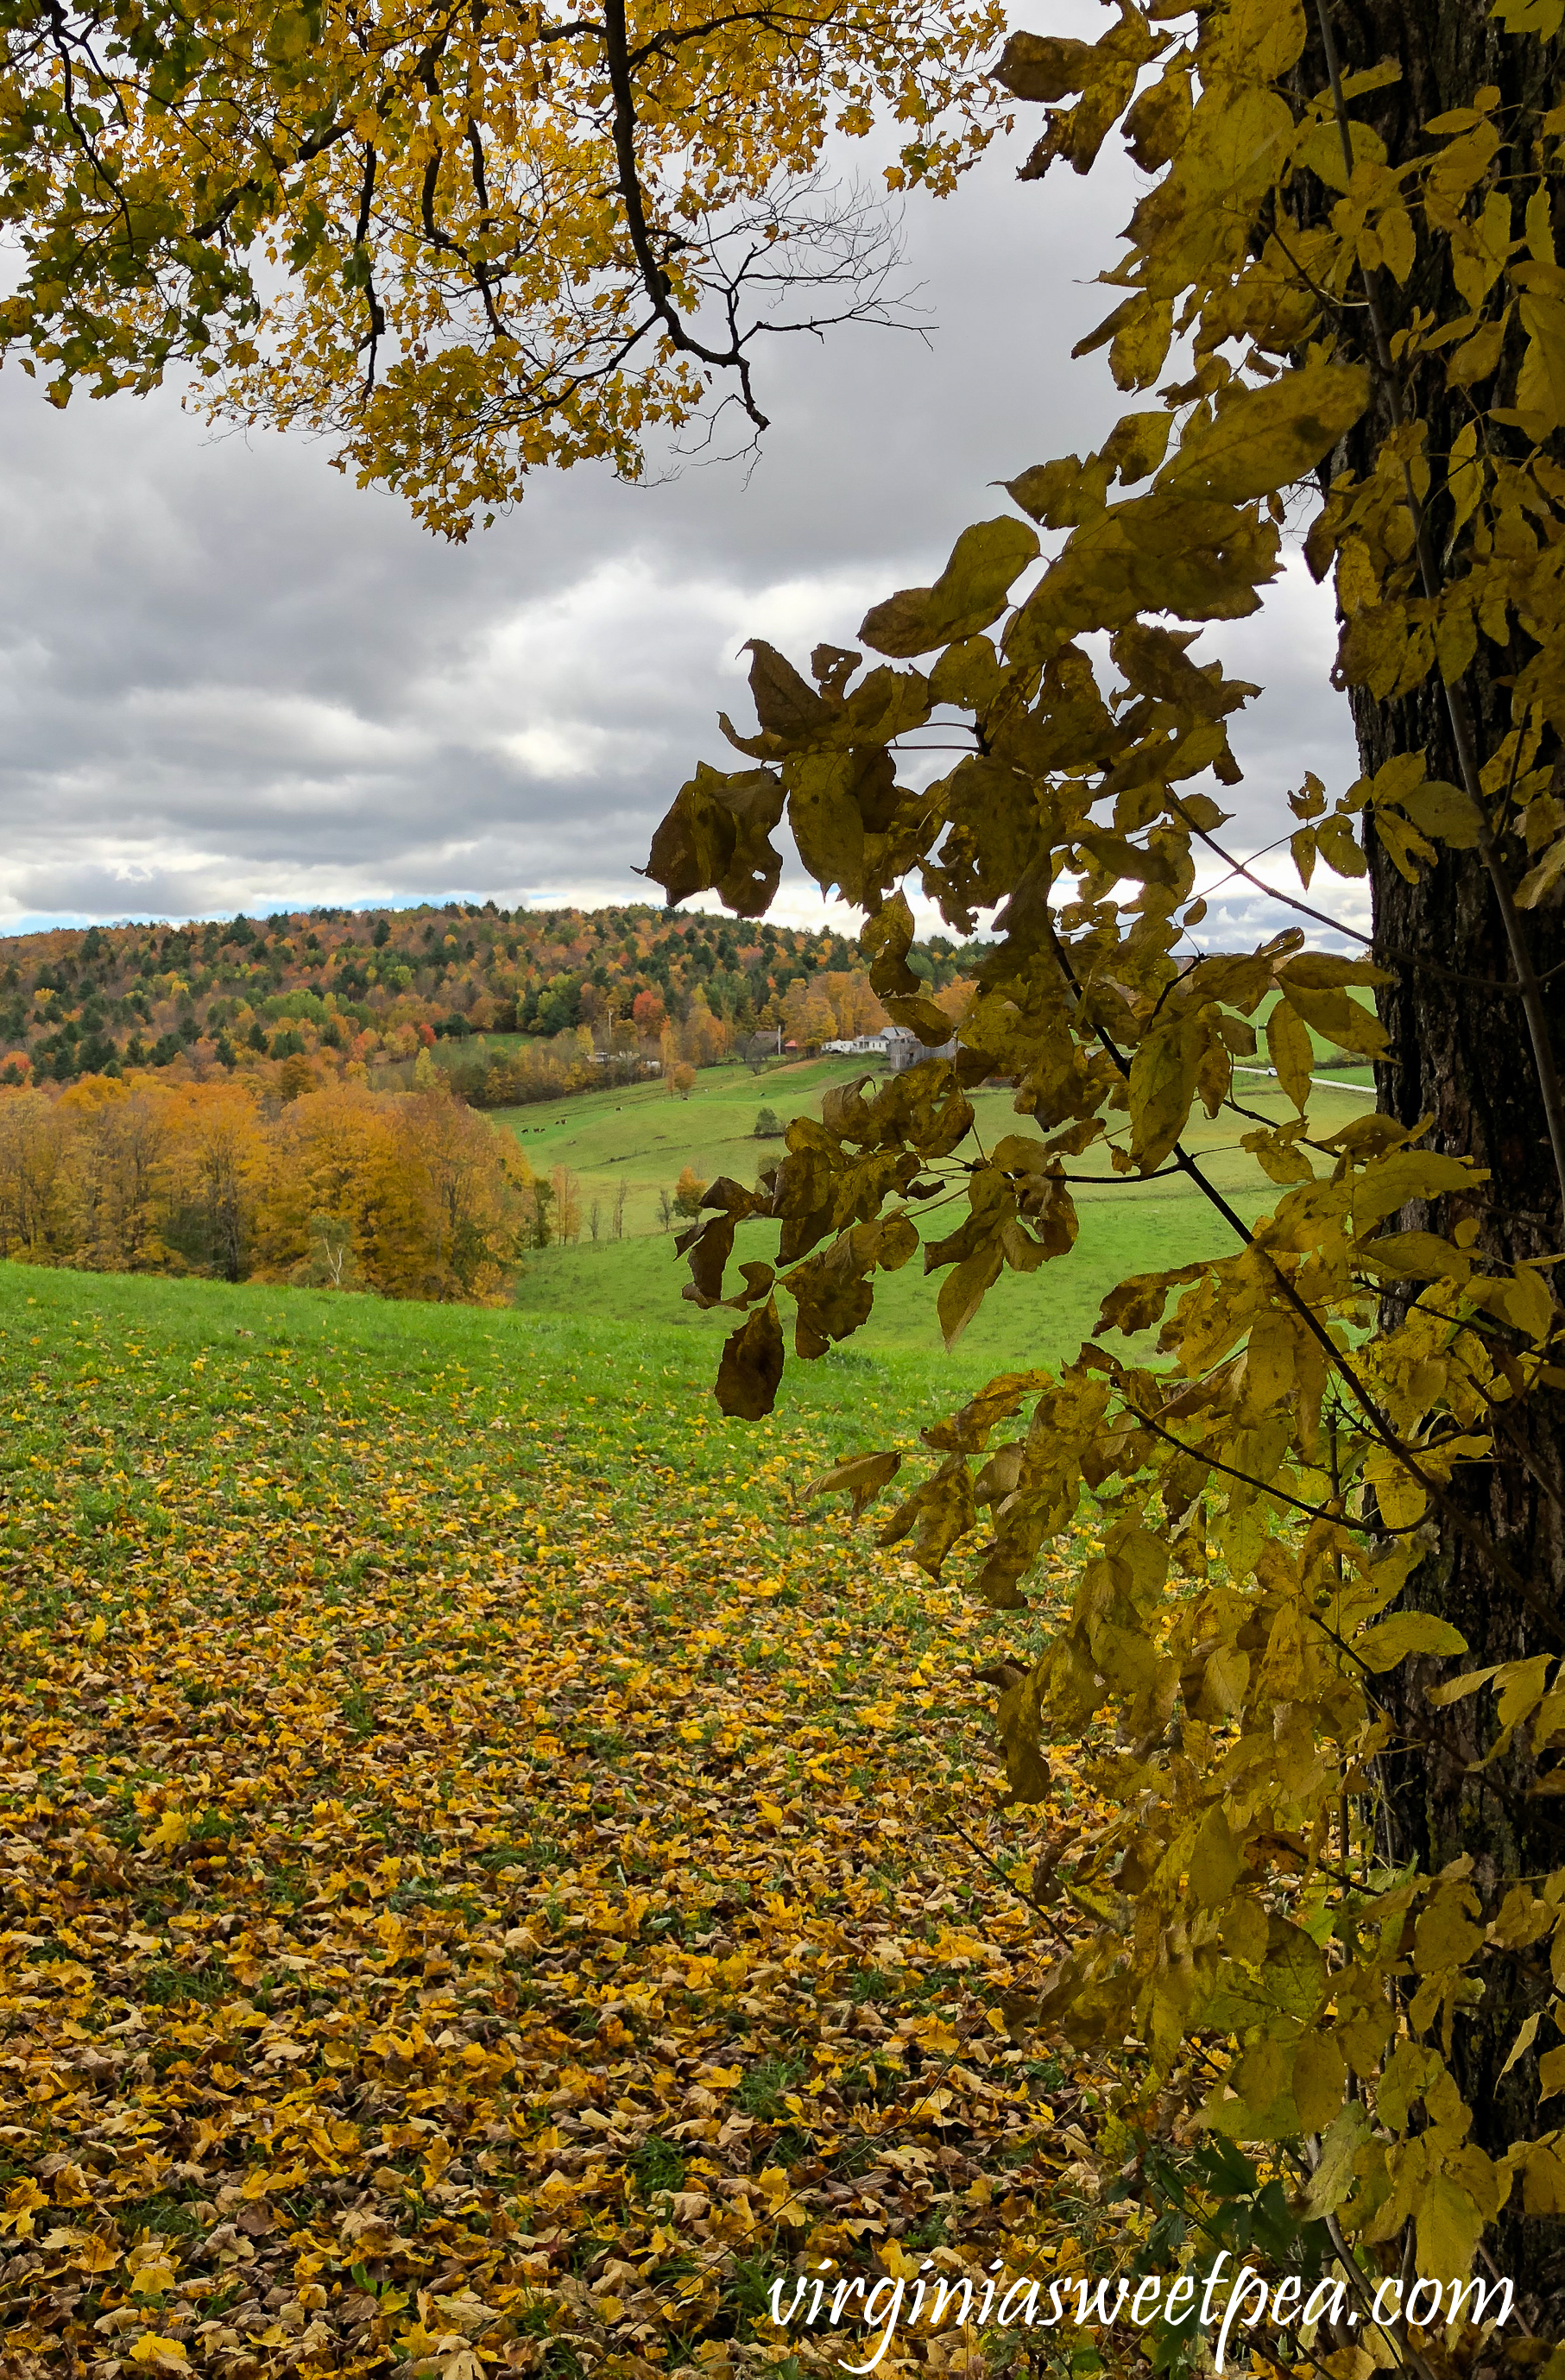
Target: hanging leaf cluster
x=1271, y=1435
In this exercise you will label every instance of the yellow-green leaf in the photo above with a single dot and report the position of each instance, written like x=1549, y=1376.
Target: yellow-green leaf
x=1320, y=2077
x=1291, y=1052
x=1164, y=1075
x=1404, y=1633
x=1266, y=438
x=969, y=593
x=1449, y=2227
x=1215, y=1862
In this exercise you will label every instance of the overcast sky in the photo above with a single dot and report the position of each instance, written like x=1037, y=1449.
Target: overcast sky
x=233, y=680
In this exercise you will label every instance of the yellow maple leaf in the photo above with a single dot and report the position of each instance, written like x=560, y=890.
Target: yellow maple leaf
x=163, y=2354
x=172, y=1829
x=22, y=2204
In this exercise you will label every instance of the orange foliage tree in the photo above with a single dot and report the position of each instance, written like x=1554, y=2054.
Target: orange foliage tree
x=339, y=1187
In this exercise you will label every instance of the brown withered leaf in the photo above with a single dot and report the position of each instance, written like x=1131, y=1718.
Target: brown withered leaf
x=751, y=1369
x=862, y=1476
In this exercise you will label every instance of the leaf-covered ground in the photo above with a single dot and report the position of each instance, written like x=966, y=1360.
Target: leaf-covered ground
x=484, y=1889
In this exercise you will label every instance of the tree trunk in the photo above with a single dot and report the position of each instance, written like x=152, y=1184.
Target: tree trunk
x=1459, y=1054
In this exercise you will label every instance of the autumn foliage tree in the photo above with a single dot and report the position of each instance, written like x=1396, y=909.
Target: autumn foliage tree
x=1329, y=1612
x=340, y=1188
x=461, y=243
x=688, y=1191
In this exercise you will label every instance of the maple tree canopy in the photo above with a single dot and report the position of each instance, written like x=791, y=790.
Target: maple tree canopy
x=463, y=241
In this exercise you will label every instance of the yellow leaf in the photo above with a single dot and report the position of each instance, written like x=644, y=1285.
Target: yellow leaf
x=1445, y=813
x=1526, y=1303
x=1333, y=2178
x=1465, y=475
x=1416, y=1256
x=964, y=1290
x=1268, y=1363
x=1551, y=2066
x=1407, y=847
x=1045, y=67
x=827, y=822
x=863, y=1476
x=1541, y=883
x=1215, y=1861
x=1266, y=438
x=1261, y=39
x=1162, y=1084
x=1316, y=985
x=1140, y=342
x=1449, y=2226
x=1291, y=1052
x=1225, y=1679
x=1477, y=358
x=1543, y=2183
x=1521, y=2045
x=172, y=1829
x=1357, y=586
x=1397, y=245
x=1406, y=1173
x=1401, y=1501
x=1320, y=2077
x=162, y=2354
x=1407, y=1632
x=95, y=2256
x=1340, y=846
x=969, y=593
x=1445, y=1936
x=22, y=2203
x=1137, y=445
x=1522, y=1688
x=1540, y=385
x=1539, y=221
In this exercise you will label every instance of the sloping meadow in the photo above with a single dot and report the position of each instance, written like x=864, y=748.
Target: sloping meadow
x=486, y=1890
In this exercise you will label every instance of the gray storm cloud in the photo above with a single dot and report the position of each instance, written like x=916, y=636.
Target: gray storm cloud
x=231, y=679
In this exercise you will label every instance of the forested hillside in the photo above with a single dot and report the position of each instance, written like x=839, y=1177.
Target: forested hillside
x=381, y=983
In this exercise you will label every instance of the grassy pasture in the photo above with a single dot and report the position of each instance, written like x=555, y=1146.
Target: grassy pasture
x=492, y=1876
x=476, y=1869
x=640, y=1136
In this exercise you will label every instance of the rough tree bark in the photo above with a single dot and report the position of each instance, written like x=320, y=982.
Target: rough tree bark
x=1459, y=1054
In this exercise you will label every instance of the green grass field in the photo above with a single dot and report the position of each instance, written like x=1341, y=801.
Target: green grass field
x=312, y=1370
x=420, y=1725
x=641, y=1139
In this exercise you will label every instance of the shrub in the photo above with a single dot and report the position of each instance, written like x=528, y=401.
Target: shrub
x=768, y=1126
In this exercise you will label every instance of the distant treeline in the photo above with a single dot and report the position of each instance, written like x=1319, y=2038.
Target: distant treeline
x=223, y=998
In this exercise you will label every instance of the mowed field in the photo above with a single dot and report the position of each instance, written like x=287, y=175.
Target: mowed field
x=492, y=1875
x=640, y=1139
x=487, y=1885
